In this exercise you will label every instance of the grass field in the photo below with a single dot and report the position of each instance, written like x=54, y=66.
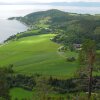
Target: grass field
x=20, y=94
x=36, y=54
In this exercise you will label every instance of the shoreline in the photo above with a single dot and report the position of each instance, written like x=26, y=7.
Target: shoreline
x=12, y=33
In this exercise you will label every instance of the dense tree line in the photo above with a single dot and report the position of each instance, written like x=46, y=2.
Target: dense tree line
x=23, y=81
x=4, y=86
x=74, y=85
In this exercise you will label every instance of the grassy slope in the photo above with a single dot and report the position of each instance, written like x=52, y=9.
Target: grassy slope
x=20, y=94
x=36, y=54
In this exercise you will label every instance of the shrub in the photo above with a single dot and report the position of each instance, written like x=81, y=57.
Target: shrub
x=71, y=59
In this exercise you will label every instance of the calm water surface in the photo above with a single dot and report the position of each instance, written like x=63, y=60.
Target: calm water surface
x=10, y=27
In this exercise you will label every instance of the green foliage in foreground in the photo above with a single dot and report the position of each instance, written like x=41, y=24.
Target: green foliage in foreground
x=36, y=54
x=4, y=88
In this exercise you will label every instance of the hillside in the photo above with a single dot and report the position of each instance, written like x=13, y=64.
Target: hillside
x=70, y=27
x=36, y=54
x=46, y=62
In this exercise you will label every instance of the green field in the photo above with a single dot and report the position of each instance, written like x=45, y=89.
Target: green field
x=37, y=54
x=20, y=94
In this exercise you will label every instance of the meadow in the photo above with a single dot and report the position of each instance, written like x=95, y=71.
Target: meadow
x=37, y=55
x=20, y=94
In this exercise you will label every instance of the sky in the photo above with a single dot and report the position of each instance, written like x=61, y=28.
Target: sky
x=44, y=1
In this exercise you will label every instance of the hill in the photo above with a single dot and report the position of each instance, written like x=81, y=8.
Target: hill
x=36, y=54
x=38, y=61
x=69, y=27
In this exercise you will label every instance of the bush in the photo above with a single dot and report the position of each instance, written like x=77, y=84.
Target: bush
x=62, y=49
x=23, y=81
x=2, y=98
x=71, y=59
